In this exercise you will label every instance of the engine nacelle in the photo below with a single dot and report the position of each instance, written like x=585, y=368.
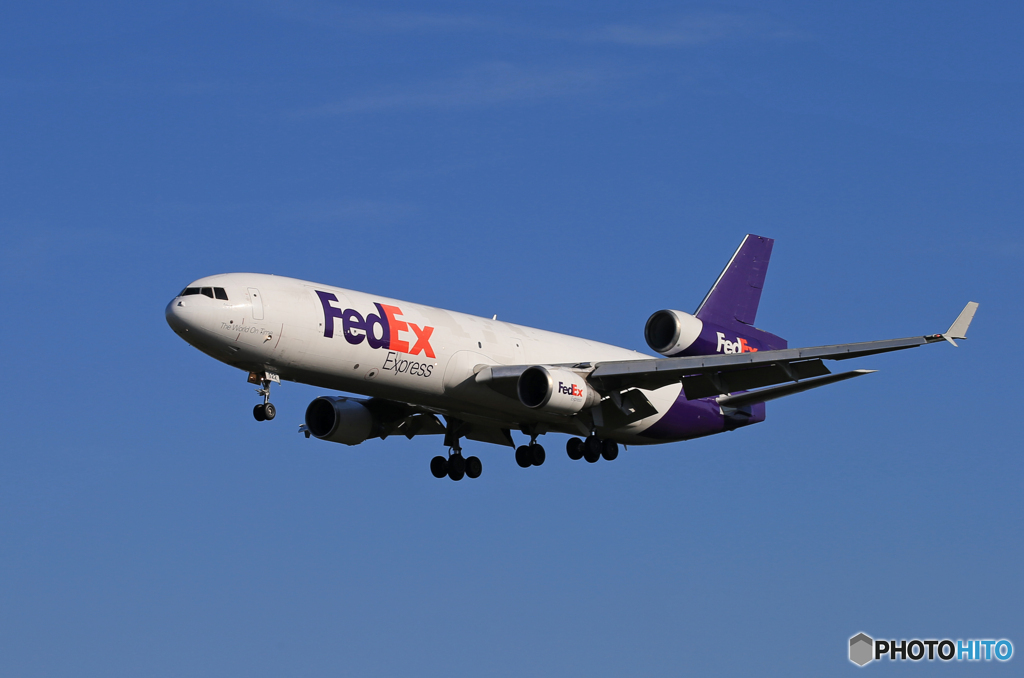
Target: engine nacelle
x=555, y=389
x=340, y=420
x=672, y=332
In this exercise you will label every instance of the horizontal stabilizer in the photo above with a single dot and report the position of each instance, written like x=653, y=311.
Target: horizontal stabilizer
x=958, y=330
x=764, y=395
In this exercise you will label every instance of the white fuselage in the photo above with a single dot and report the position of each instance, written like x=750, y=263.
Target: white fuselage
x=370, y=345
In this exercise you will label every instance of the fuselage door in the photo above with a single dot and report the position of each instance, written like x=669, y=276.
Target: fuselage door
x=257, y=303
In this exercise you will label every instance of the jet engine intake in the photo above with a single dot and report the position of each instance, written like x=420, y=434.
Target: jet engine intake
x=671, y=332
x=340, y=420
x=555, y=389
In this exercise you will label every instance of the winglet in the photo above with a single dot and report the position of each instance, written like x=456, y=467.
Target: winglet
x=958, y=330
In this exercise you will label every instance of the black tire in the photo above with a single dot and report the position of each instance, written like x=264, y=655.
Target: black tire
x=258, y=413
x=610, y=450
x=269, y=411
x=456, y=467
x=574, y=447
x=592, y=449
x=537, y=454
x=439, y=467
x=524, y=457
x=473, y=467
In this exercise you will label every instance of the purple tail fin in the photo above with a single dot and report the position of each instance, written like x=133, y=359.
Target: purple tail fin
x=735, y=295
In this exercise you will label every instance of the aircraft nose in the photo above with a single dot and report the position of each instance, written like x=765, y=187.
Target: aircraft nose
x=178, y=316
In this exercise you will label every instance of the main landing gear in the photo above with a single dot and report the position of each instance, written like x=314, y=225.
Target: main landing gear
x=530, y=455
x=455, y=466
x=265, y=411
x=592, y=449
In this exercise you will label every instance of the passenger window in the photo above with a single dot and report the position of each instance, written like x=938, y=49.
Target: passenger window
x=208, y=291
x=220, y=293
x=190, y=290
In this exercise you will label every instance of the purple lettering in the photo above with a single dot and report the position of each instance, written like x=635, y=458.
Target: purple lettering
x=352, y=322
x=384, y=341
x=330, y=313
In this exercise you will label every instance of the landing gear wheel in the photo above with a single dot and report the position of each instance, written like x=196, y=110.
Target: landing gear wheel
x=456, y=467
x=609, y=450
x=439, y=467
x=264, y=411
x=574, y=446
x=524, y=457
x=473, y=467
x=537, y=454
x=592, y=449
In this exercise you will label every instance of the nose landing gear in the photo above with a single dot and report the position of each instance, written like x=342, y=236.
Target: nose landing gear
x=265, y=411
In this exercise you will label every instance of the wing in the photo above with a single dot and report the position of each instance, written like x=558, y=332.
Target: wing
x=398, y=418
x=711, y=375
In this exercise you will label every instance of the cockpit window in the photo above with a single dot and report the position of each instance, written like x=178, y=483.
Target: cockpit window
x=212, y=292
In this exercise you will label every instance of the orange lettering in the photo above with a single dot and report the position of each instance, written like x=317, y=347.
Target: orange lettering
x=396, y=326
x=422, y=340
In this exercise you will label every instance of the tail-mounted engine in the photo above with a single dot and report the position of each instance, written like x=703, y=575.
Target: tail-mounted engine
x=555, y=389
x=672, y=332
x=340, y=420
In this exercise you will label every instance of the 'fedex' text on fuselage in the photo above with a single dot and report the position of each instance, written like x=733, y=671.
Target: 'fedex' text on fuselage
x=356, y=328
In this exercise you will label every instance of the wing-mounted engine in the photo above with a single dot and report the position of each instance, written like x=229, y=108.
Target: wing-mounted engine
x=350, y=421
x=555, y=389
x=565, y=390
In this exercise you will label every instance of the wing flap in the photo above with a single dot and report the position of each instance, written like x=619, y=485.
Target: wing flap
x=764, y=395
x=622, y=409
x=715, y=383
x=489, y=434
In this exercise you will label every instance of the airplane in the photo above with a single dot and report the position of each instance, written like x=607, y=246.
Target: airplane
x=413, y=365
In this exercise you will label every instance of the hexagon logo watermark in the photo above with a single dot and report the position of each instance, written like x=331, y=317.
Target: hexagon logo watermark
x=862, y=649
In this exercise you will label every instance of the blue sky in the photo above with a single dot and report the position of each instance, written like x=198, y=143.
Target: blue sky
x=571, y=166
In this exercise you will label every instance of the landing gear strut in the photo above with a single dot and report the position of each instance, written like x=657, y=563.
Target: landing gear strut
x=592, y=449
x=265, y=411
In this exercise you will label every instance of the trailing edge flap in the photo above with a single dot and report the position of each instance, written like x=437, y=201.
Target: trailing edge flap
x=401, y=418
x=715, y=383
x=764, y=395
x=490, y=434
x=622, y=409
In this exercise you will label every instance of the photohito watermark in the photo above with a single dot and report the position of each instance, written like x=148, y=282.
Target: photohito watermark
x=864, y=649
